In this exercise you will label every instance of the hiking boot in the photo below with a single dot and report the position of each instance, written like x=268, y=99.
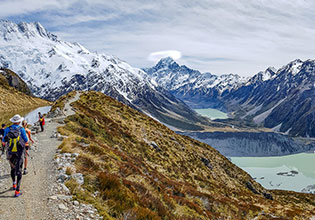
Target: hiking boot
x=25, y=171
x=14, y=186
x=17, y=193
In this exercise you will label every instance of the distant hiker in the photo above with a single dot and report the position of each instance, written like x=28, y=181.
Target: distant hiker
x=27, y=145
x=2, y=130
x=15, y=139
x=1, y=135
x=41, y=121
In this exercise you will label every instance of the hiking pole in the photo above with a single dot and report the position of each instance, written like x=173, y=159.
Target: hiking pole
x=31, y=159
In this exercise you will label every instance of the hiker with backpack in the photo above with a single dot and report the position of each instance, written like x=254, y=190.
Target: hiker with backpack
x=27, y=145
x=1, y=136
x=15, y=139
x=41, y=121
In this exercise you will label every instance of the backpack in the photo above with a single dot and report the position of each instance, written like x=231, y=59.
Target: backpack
x=42, y=120
x=15, y=142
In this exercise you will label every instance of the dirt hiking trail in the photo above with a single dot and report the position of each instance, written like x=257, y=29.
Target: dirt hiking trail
x=36, y=185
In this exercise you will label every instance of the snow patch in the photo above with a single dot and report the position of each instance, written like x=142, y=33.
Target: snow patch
x=277, y=128
x=260, y=118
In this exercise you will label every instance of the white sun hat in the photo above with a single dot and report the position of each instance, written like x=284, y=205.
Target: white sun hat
x=16, y=119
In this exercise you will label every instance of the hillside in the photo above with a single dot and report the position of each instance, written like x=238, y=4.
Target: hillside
x=14, y=101
x=137, y=168
x=15, y=81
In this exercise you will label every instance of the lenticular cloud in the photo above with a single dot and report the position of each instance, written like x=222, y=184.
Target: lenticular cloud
x=155, y=56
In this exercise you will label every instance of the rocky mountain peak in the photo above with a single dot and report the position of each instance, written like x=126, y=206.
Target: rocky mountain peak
x=167, y=62
x=292, y=68
x=12, y=31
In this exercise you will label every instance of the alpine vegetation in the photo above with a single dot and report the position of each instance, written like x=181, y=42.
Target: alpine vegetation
x=136, y=168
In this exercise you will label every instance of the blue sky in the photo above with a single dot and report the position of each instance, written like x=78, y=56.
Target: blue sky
x=217, y=36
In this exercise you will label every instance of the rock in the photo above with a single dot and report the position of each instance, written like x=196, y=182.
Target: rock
x=64, y=197
x=76, y=203
x=268, y=196
x=63, y=177
x=67, y=154
x=57, y=160
x=63, y=186
x=35, y=129
x=251, y=188
x=155, y=146
x=54, y=135
x=55, y=113
x=78, y=177
x=206, y=162
x=62, y=207
x=75, y=155
x=53, y=197
x=68, y=165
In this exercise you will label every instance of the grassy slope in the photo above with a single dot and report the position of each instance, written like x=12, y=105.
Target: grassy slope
x=13, y=101
x=126, y=176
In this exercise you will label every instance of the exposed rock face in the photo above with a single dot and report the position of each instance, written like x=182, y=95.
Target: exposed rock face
x=15, y=81
x=251, y=144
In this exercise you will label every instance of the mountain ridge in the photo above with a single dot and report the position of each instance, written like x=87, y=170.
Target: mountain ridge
x=280, y=99
x=52, y=67
x=197, y=89
x=284, y=103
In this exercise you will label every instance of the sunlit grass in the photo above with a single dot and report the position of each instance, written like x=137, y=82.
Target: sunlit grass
x=127, y=176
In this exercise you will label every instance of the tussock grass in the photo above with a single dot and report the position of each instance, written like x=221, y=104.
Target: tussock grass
x=134, y=180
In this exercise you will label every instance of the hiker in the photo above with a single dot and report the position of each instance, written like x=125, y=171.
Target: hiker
x=15, y=139
x=27, y=145
x=1, y=135
x=41, y=121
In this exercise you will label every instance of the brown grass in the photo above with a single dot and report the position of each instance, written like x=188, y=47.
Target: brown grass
x=14, y=102
x=136, y=180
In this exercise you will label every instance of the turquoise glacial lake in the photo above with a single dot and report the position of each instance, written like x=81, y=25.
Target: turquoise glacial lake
x=292, y=172
x=32, y=117
x=211, y=113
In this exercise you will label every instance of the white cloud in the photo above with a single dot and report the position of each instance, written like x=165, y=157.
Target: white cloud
x=156, y=56
x=220, y=36
x=24, y=7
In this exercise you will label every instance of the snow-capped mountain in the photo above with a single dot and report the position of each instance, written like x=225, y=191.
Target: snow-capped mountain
x=195, y=88
x=283, y=100
x=52, y=67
